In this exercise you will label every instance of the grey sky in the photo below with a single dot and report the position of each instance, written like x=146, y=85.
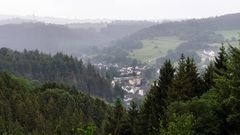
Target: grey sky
x=120, y=9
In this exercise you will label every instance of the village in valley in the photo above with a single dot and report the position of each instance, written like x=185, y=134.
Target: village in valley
x=130, y=79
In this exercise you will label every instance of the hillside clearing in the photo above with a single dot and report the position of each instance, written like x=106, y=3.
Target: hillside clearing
x=155, y=48
x=229, y=34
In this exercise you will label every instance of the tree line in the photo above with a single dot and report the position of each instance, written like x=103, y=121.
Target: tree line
x=196, y=34
x=60, y=68
x=28, y=107
x=183, y=101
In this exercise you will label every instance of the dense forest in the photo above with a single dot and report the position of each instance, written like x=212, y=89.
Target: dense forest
x=60, y=68
x=182, y=101
x=185, y=102
x=27, y=107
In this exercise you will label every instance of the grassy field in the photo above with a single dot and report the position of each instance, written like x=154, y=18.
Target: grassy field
x=228, y=34
x=233, y=43
x=154, y=48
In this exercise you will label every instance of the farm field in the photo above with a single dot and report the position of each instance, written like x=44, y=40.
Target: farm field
x=228, y=34
x=155, y=48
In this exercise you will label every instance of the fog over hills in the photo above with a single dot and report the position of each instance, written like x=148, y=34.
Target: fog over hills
x=80, y=38
x=119, y=67
x=73, y=38
x=186, y=36
x=66, y=21
x=46, y=19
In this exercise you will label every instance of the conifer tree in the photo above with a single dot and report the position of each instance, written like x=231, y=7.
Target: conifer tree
x=227, y=87
x=186, y=83
x=116, y=122
x=133, y=118
x=221, y=61
x=208, y=77
x=192, y=76
x=157, y=99
x=179, y=83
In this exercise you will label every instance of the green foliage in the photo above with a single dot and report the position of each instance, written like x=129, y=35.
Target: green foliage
x=208, y=77
x=133, y=118
x=186, y=83
x=179, y=125
x=179, y=103
x=227, y=85
x=203, y=109
x=157, y=99
x=116, y=124
x=207, y=104
x=59, y=68
x=48, y=109
x=89, y=129
x=221, y=61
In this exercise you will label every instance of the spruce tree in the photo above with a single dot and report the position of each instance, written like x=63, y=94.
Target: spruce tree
x=186, y=83
x=133, y=118
x=117, y=123
x=227, y=87
x=156, y=101
x=208, y=77
x=178, y=89
x=221, y=61
x=192, y=76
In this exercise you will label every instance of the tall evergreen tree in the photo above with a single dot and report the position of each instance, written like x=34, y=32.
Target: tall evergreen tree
x=157, y=99
x=117, y=121
x=133, y=118
x=192, y=76
x=186, y=83
x=208, y=77
x=227, y=87
x=178, y=85
x=221, y=61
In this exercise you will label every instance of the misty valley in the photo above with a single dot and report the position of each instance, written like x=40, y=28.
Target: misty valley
x=120, y=77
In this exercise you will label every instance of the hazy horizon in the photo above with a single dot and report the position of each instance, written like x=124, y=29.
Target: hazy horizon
x=119, y=9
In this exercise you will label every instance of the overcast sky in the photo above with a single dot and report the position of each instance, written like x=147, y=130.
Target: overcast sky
x=120, y=9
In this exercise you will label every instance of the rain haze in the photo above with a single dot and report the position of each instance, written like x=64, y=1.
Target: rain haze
x=119, y=67
x=119, y=9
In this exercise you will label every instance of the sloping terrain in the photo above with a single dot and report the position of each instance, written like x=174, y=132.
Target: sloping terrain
x=53, y=38
x=194, y=35
x=154, y=48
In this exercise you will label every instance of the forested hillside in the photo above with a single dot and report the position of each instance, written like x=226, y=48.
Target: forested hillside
x=28, y=107
x=78, y=40
x=119, y=67
x=181, y=102
x=59, y=68
x=186, y=28
x=191, y=36
x=185, y=102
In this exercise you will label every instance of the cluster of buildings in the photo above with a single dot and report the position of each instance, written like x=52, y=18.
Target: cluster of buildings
x=105, y=66
x=130, y=79
x=207, y=56
x=128, y=71
x=209, y=53
x=132, y=83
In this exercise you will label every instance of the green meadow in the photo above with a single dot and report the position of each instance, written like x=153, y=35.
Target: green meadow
x=228, y=34
x=155, y=48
